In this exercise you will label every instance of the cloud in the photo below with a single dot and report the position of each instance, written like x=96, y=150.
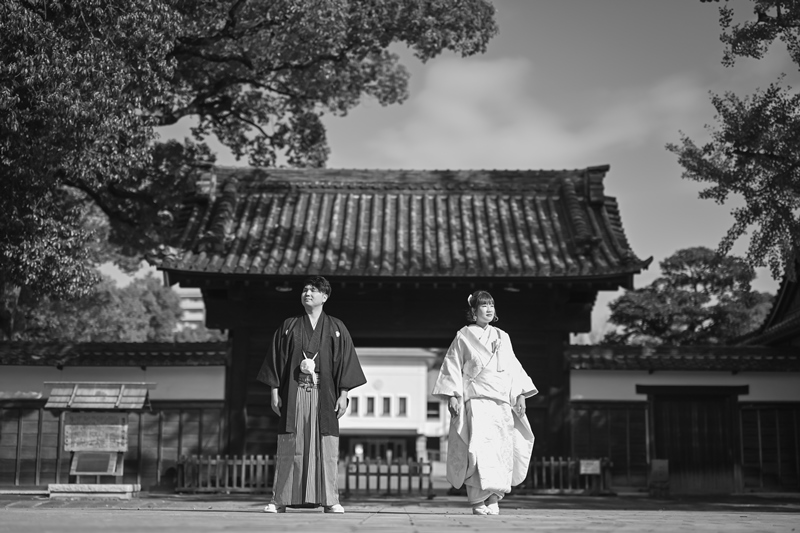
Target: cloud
x=492, y=114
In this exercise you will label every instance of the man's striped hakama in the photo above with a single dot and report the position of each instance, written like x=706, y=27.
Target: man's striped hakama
x=307, y=462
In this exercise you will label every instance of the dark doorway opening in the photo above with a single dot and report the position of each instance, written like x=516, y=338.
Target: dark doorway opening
x=696, y=430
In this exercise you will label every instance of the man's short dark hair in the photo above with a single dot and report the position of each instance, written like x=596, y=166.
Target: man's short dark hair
x=319, y=283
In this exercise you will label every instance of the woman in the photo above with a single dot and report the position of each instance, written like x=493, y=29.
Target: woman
x=490, y=440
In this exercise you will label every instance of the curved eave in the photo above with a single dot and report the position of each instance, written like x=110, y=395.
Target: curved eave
x=201, y=278
x=782, y=322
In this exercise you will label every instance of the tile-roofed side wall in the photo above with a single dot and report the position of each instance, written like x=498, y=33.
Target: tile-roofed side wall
x=113, y=354
x=701, y=358
x=521, y=224
x=782, y=323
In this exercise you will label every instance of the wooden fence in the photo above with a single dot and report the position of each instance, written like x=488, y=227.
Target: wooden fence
x=388, y=478
x=255, y=473
x=567, y=475
x=223, y=473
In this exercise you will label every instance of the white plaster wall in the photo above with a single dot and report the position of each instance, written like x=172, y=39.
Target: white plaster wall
x=610, y=385
x=172, y=383
x=394, y=373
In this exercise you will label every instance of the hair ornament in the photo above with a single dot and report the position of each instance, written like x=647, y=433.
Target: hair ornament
x=469, y=300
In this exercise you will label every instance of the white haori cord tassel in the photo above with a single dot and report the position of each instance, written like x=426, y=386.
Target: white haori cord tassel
x=307, y=366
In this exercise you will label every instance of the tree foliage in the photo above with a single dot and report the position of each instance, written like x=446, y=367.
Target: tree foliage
x=74, y=78
x=702, y=298
x=144, y=310
x=200, y=334
x=753, y=152
x=84, y=84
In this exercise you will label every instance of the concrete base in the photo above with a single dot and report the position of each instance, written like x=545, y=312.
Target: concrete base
x=89, y=490
x=23, y=492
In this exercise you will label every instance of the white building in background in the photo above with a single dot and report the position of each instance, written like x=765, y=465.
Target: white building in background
x=392, y=416
x=192, y=306
x=437, y=422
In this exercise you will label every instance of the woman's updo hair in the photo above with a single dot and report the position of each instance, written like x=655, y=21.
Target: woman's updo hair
x=477, y=299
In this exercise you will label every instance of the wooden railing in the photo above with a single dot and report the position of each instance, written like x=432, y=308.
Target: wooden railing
x=255, y=473
x=388, y=478
x=250, y=473
x=567, y=475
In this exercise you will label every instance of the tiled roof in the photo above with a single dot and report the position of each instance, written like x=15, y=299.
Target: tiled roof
x=782, y=324
x=402, y=224
x=113, y=354
x=703, y=358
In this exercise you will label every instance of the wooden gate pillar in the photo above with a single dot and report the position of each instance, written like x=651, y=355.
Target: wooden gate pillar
x=236, y=396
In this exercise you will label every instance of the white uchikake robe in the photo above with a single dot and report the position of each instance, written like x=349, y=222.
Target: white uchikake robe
x=489, y=443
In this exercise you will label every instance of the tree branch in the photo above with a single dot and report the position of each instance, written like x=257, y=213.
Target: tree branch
x=237, y=116
x=777, y=20
x=114, y=190
x=100, y=202
x=766, y=155
x=227, y=31
x=211, y=57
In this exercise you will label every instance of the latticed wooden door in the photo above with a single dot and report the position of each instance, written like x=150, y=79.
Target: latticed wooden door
x=697, y=435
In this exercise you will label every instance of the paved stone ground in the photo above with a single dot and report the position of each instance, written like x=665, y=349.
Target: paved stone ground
x=200, y=514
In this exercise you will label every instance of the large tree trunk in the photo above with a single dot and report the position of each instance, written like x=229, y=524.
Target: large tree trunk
x=14, y=301
x=9, y=299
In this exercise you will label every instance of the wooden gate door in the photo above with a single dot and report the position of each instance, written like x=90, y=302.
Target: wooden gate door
x=696, y=431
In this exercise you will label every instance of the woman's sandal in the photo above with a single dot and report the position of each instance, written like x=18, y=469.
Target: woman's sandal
x=480, y=509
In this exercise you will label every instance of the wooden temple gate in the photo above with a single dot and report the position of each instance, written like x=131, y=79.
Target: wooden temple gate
x=402, y=250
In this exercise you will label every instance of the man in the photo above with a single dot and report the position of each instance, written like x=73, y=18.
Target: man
x=311, y=365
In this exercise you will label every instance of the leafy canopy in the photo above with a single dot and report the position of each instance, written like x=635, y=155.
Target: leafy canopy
x=702, y=298
x=84, y=84
x=753, y=152
x=144, y=310
x=74, y=80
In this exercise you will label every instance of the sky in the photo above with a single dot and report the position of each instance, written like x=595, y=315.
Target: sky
x=571, y=84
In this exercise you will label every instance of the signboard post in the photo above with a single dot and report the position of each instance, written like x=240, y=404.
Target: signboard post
x=96, y=433
x=591, y=468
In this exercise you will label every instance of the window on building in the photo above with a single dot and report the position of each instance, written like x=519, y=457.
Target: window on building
x=433, y=409
x=370, y=406
x=402, y=407
x=387, y=407
x=354, y=406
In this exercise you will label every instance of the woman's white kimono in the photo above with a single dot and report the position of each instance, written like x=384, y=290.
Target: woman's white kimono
x=489, y=444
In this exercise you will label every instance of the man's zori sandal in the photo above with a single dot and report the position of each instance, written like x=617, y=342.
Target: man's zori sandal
x=272, y=508
x=338, y=509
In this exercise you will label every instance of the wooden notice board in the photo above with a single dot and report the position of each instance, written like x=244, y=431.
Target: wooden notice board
x=96, y=432
x=97, y=463
x=590, y=467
